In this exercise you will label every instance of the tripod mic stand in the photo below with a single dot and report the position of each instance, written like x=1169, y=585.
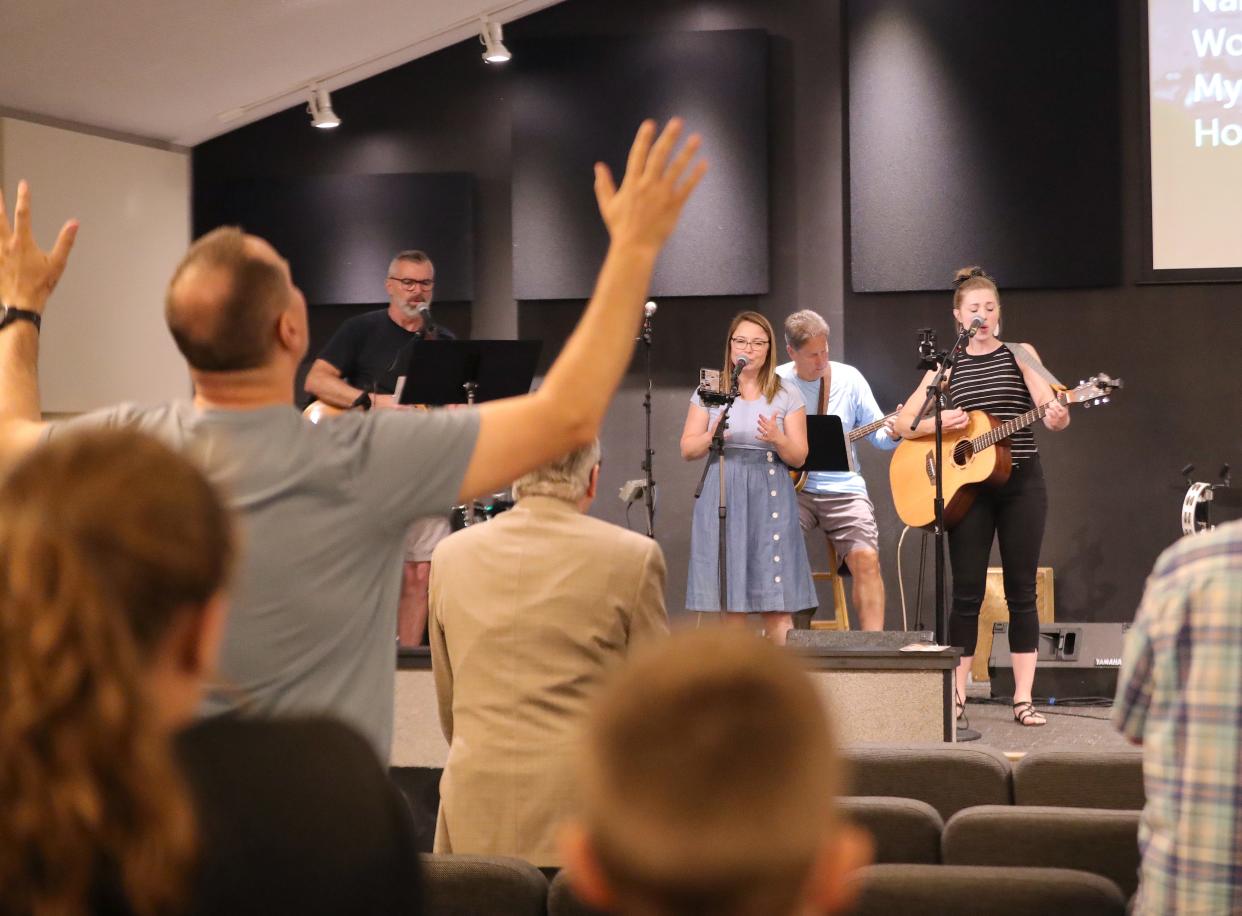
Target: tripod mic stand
x=935, y=405
x=715, y=453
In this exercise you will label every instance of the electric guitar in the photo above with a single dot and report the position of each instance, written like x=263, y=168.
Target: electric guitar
x=978, y=455
x=799, y=477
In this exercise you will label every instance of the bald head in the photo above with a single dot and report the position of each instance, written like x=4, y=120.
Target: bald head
x=225, y=299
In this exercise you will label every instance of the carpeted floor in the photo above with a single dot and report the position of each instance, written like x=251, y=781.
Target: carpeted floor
x=1069, y=727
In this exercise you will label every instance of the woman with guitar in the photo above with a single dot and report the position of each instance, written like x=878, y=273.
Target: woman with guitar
x=766, y=561
x=989, y=376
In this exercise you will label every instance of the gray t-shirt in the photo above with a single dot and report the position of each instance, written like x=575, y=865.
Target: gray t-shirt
x=323, y=510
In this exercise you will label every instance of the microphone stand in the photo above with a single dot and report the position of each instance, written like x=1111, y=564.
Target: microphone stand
x=716, y=451
x=649, y=490
x=935, y=404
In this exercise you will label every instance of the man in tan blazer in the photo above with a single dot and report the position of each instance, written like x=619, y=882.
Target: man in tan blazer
x=529, y=612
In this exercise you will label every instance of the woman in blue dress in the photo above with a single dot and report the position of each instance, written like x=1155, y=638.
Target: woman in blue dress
x=765, y=558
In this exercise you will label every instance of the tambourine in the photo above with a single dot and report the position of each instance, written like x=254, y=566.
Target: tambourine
x=1193, y=520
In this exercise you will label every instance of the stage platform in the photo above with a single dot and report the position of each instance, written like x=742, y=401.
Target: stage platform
x=877, y=693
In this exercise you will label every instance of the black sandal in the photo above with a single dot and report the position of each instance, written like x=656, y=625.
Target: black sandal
x=959, y=705
x=1024, y=714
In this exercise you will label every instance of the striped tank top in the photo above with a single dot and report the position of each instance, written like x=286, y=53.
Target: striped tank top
x=993, y=382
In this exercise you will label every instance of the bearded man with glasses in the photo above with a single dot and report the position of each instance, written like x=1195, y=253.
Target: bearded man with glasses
x=358, y=369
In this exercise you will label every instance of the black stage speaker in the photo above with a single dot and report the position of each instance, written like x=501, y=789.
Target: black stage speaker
x=1075, y=660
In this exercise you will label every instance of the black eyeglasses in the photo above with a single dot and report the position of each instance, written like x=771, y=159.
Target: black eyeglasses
x=408, y=283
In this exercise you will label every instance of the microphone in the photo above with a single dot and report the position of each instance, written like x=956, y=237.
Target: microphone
x=648, y=311
x=429, y=325
x=975, y=326
x=738, y=367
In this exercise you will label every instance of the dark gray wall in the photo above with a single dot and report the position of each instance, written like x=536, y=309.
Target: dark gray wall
x=1114, y=489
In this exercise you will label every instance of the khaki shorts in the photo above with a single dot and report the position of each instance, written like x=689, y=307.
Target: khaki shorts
x=422, y=537
x=847, y=519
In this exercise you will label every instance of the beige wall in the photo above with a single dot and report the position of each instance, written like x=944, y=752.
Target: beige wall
x=103, y=336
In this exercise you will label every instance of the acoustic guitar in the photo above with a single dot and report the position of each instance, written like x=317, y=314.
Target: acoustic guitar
x=976, y=456
x=322, y=410
x=861, y=432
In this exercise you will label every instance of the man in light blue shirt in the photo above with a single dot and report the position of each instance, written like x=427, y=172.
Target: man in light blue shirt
x=837, y=501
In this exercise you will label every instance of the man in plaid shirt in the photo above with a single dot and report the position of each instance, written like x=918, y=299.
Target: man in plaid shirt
x=1180, y=696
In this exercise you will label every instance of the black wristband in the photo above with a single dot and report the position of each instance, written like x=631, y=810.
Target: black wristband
x=363, y=400
x=10, y=314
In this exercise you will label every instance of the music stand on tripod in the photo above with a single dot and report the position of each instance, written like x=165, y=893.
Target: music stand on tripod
x=827, y=449
x=442, y=372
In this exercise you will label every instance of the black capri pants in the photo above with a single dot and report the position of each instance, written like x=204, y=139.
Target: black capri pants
x=1014, y=514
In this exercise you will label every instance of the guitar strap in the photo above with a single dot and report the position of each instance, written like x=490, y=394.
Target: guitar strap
x=1021, y=355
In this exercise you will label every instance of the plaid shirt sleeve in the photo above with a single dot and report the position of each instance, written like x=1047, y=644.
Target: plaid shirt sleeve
x=1134, y=686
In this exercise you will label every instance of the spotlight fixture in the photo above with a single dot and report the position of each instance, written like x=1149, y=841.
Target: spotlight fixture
x=320, y=109
x=492, y=36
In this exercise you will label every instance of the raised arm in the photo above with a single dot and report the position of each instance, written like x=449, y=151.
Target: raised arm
x=27, y=278
x=518, y=434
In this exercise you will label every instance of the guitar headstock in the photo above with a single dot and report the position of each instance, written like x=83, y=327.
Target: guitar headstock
x=1094, y=391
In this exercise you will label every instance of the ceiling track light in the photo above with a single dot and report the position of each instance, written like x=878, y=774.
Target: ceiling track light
x=492, y=37
x=320, y=109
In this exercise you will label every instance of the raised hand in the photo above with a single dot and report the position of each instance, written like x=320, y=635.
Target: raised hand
x=645, y=208
x=27, y=274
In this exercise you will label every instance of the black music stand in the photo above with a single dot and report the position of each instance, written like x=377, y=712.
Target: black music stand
x=439, y=372
x=827, y=449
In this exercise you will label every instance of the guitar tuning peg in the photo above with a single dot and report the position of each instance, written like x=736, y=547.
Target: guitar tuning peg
x=1104, y=401
x=1086, y=405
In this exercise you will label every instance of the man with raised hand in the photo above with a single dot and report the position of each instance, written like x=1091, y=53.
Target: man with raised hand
x=316, y=596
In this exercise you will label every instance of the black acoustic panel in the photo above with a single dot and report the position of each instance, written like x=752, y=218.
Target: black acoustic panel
x=339, y=232
x=579, y=100
x=983, y=132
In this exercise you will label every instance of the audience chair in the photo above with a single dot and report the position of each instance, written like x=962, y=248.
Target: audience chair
x=1081, y=779
x=904, y=829
x=1097, y=840
x=948, y=777
x=563, y=902
x=837, y=571
x=461, y=885
x=969, y=890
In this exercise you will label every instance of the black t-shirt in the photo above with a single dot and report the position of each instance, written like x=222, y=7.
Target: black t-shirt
x=369, y=350
x=296, y=816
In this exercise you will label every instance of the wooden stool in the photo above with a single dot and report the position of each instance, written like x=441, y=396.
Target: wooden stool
x=837, y=570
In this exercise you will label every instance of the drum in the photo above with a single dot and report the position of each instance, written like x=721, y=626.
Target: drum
x=485, y=509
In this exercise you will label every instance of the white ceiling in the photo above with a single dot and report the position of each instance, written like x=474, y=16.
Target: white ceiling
x=182, y=71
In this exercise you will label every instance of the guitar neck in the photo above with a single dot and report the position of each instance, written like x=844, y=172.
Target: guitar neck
x=861, y=431
x=1009, y=427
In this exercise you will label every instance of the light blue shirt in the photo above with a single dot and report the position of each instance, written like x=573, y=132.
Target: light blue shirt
x=743, y=429
x=849, y=398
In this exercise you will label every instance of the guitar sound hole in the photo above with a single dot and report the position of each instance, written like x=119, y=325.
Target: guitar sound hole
x=962, y=453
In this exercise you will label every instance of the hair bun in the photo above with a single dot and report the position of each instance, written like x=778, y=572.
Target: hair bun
x=969, y=273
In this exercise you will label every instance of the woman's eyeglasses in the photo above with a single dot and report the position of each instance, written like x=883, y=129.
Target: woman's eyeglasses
x=743, y=344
